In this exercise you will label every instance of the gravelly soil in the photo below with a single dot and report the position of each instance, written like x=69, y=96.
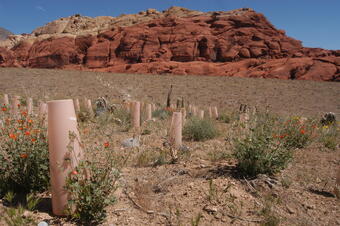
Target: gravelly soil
x=284, y=97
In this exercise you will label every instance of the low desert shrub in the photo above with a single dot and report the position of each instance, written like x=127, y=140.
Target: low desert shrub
x=84, y=116
x=199, y=129
x=122, y=118
x=151, y=157
x=224, y=118
x=24, y=160
x=259, y=152
x=296, y=133
x=329, y=136
x=161, y=114
x=260, y=155
x=91, y=186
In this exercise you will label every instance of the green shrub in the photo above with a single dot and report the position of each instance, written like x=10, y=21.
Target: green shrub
x=15, y=217
x=224, y=118
x=296, y=134
x=260, y=155
x=161, y=114
x=91, y=186
x=24, y=160
x=329, y=136
x=199, y=129
x=259, y=152
x=84, y=116
x=152, y=157
x=122, y=118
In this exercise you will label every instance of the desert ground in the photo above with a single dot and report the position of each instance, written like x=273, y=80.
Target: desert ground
x=202, y=187
x=285, y=97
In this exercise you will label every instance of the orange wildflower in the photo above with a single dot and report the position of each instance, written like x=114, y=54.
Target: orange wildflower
x=12, y=136
x=106, y=144
x=302, y=131
x=33, y=140
x=20, y=128
x=4, y=109
x=74, y=172
x=30, y=121
x=27, y=133
x=24, y=113
x=23, y=156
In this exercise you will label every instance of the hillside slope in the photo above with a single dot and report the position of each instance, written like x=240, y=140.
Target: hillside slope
x=4, y=33
x=240, y=43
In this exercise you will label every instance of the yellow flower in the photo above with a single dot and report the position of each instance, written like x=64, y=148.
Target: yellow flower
x=325, y=127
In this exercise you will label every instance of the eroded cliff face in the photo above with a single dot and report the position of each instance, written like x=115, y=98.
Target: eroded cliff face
x=177, y=41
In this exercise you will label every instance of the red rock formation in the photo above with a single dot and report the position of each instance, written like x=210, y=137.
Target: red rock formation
x=242, y=43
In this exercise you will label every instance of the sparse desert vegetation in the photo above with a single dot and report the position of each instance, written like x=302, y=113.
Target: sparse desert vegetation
x=274, y=167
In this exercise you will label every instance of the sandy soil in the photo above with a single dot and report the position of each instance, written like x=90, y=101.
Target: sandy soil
x=201, y=183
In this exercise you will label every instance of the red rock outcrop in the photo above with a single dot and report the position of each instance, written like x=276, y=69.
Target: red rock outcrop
x=238, y=43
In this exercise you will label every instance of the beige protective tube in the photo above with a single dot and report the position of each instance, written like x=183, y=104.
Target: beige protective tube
x=201, y=115
x=184, y=116
x=215, y=113
x=154, y=107
x=29, y=106
x=6, y=100
x=148, y=112
x=194, y=111
x=42, y=110
x=89, y=107
x=62, y=122
x=77, y=105
x=210, y=113
x=136, y=115
x=15, y=105
x=176, y=130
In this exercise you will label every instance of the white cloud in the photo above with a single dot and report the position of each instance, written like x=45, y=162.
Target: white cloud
x=40, y=8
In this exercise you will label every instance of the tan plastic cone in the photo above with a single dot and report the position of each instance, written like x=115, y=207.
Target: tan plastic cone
x=77, y=105
x=201, y=115
x=176, y=130
x=29, y=106
x=6, y=100
x=148, y=112
x=136, y=115
x=61, y=122
x=215, y=112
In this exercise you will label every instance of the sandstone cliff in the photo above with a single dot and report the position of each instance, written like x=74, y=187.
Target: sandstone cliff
x=177, y=41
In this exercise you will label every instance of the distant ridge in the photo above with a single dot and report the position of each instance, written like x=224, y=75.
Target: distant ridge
x=240, y=43
x=4, y=33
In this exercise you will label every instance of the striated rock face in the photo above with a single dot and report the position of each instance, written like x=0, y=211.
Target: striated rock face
x=177, y=41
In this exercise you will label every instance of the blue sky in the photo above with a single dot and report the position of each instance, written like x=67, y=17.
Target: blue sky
x=315, y=22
